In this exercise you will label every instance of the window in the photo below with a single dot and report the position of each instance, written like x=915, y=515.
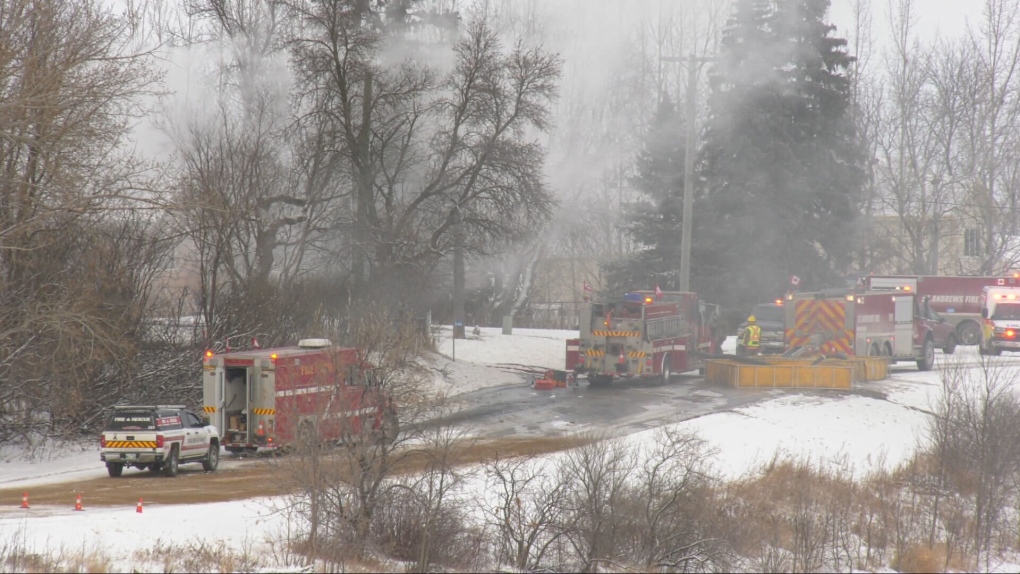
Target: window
x=131, y=421
x=972, y=243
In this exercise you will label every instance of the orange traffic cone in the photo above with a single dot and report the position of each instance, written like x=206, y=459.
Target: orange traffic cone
x=138, y=509
x=261, y=431
x=24, y=500
x=77, y=502
x=622, y=360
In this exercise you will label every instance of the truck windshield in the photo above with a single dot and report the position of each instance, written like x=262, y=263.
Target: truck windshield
x=769, y=313
x=1006, y=312
x=131, y=421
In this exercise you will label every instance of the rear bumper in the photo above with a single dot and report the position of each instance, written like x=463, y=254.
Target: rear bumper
x=147, y=457
x=1006, y=344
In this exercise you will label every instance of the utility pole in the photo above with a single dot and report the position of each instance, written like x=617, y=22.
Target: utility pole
x=689, y=145
x=458, y=274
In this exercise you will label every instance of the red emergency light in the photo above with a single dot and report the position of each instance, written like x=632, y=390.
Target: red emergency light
x=272, y=358
x=648, y=300
x=208, y=353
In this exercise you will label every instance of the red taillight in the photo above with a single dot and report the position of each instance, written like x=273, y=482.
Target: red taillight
x=159, y=441
x=102, y=441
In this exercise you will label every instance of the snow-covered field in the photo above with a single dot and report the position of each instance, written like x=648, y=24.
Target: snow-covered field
x=857, y=430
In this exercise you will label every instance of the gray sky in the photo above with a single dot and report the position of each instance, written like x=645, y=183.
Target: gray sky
x=945, y=17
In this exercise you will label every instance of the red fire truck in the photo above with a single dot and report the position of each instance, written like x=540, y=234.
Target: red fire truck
x=957, y=298
x=644, y=334
x=875, y=323
x=263, y=399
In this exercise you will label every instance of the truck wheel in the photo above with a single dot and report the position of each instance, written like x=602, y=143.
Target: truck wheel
x=115, y=469
x=886, y=350
x=667, y=369
x=170, y=466
x=212, y=460
x=927, y=360
x=950, y=347
x=873, y=350
x=970, y=333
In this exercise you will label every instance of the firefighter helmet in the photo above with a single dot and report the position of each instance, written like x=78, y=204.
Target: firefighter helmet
x=751, y=319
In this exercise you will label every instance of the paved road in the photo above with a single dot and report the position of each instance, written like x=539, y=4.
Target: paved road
x=519, y=410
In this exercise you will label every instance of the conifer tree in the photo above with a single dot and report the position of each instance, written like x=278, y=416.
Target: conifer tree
x=654, y=221
x=781, y=161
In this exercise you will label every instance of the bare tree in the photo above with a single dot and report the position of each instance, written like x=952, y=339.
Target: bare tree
x=524, y=509
x=341, y=488
x=431, y=159
x=994, y=118
x=596, y=476
x=72, y=80
x=675, y=490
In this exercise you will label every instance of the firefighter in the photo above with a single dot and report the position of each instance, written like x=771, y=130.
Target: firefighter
x=752, y=337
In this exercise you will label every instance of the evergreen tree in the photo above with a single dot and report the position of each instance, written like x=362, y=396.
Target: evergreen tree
x=654, y=221
x=781, y=163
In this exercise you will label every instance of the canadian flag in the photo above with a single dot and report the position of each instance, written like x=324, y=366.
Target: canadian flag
x=794, y=280
x=255, y=343
x=227, y=343
x=658, y=292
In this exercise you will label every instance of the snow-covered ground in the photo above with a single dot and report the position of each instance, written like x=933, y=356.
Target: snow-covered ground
x=860, y=431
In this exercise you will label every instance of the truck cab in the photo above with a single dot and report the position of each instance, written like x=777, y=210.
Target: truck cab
x=1000, y=311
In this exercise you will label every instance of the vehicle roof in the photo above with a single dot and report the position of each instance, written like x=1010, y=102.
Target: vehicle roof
x=289, y=351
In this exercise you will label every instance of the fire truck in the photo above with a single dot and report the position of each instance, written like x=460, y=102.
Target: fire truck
x=641, y=335
x=1000, y=311
x=265, y=399
x=895, y=325
x=957, y=298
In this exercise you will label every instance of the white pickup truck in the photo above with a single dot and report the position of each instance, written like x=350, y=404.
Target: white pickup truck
x=158, y=438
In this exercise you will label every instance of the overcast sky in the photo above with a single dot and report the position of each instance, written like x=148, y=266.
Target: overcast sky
x=945, y=17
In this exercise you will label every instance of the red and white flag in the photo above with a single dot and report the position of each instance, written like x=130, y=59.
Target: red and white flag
x=794, y=280
x=658, y=292
x=227, y=344
x=255, y=343
x=587, y=288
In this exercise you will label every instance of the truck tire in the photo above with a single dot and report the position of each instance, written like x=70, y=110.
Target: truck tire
x=172, y=462
x=950, y=347
x=969, y=333
x=927, y=360
x=873, y=350
x=667, y=370
x=115, y=469
x=212, y=460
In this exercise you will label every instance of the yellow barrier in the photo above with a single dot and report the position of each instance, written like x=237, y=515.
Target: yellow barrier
x=865, y=368
x=791, y=374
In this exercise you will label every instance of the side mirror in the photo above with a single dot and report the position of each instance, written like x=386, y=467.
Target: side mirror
x=984, y=312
